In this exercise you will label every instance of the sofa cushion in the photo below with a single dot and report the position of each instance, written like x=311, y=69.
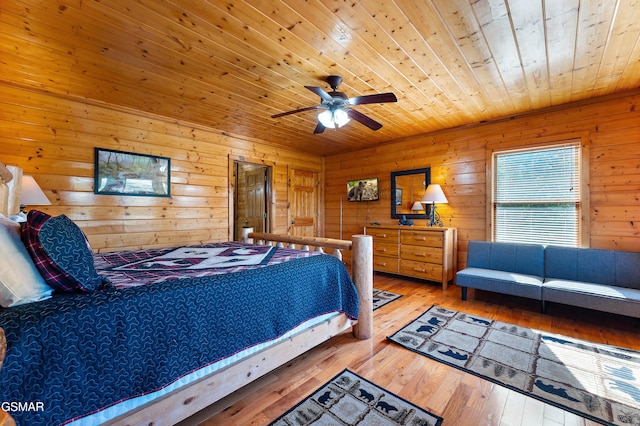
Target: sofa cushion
x=501, y=282
x=607, y=298
x=627, y=269
x=520, y=258
x=608, y=267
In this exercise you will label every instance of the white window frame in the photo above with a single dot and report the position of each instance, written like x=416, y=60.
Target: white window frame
x=583, y=203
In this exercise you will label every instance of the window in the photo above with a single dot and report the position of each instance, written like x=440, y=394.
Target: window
x=536, y=195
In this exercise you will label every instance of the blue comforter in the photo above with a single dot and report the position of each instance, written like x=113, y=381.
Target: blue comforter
x=79, y=353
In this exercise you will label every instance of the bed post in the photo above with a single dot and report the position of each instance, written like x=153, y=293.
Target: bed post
x=362, y=272
x=245, y=234
x=5, y=192
x=15, y=187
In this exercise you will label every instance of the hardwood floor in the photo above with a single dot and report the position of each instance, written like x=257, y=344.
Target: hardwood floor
x=462, y=399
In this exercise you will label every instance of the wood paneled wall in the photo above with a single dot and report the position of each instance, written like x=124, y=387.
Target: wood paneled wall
x=53, y=139
x=458, y=161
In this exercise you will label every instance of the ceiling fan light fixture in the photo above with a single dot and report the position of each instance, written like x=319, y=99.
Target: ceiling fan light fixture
x=333, y=118
x=338, y=109
x=326, y=118
x=340, y=117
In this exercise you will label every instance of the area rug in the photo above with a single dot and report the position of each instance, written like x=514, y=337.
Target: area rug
x=349, y=399
x=596, y=381
x=381, y=298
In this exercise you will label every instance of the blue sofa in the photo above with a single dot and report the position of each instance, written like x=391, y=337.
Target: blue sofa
x=605, y=280
x=515, y=269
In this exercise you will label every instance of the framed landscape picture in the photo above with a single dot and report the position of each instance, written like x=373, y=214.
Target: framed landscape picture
x=127, y=173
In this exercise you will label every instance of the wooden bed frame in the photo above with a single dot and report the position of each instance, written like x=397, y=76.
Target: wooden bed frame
x=192, y=398
x=189, y=399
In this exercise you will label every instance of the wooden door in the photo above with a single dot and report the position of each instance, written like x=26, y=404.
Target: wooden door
x=303, y=204
x=255, y=193
x=250, y=204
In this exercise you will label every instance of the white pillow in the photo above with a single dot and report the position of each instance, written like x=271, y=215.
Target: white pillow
x=20, y=281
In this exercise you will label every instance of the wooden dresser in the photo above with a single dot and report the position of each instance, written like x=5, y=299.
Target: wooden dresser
x=429, y=253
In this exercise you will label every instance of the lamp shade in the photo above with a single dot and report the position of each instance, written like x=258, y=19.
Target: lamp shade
x=31, y=193
x=434, y=195
x=417, y=206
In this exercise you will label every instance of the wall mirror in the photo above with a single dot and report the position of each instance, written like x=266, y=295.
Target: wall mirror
x=407, y=187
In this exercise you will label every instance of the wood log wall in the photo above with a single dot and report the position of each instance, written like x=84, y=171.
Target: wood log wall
x=53, y=139
x=458, y=160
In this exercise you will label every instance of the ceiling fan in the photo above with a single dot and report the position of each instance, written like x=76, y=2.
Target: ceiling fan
x=337, y=106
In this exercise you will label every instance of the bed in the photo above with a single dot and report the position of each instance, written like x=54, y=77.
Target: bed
x=167, y=333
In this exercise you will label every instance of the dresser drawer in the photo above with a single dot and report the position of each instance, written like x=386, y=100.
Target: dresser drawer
x=384, y=235
x=421, y=254
x=385, y=264
x=386, y=249
x=427, y=253
x=430, y=239
x=426, y=271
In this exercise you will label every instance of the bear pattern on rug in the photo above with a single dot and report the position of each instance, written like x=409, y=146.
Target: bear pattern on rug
x=349, y=399
x=597, y=381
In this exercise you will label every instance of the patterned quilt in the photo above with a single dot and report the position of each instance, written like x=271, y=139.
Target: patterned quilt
x=141, y=267
x=80, y=353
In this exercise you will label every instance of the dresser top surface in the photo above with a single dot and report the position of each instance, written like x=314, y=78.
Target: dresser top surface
x=407, y=228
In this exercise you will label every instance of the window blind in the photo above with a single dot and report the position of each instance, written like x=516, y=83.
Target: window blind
x=536, y=195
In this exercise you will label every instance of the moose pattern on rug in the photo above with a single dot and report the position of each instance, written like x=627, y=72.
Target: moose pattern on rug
x=349, y=399
x=597, y=381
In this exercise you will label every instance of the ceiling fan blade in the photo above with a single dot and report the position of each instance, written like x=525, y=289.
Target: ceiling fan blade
x=363, y=119
x=319, y=128
x=318, y=91
x=282, y=114
x=378, y=98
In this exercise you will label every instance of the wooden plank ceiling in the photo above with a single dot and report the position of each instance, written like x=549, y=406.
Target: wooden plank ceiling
x=231, y=65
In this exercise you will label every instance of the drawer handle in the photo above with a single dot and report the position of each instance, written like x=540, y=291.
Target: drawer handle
x=420, y=238
x=420, y=254
x=381, y=263
x=419, y=269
